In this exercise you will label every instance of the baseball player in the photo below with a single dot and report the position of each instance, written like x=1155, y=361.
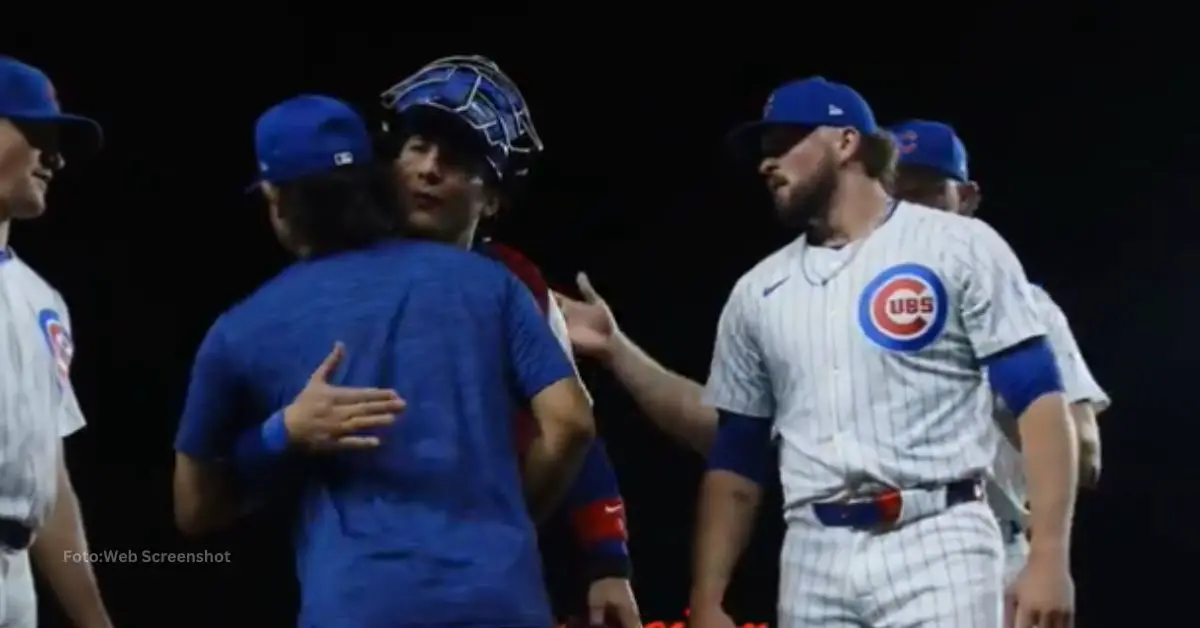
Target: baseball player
x=429, y=526
x=39, y=512
x=933, y=171
x=857, y=347
x=460, y=134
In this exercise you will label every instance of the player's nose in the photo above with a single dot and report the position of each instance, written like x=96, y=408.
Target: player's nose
x=767, y=166
x=51, y=160
x=429, y=164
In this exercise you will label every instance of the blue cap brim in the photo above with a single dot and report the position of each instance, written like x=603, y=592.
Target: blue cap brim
x=745, y=140
x=934, y=165
x=78, y=136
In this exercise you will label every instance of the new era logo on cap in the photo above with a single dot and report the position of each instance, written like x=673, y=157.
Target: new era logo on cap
x=343, y=158
x=810, y=102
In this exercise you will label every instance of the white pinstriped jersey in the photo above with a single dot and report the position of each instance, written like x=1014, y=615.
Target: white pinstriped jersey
x=1007, y=491
x=39, y=406
x=867, y=358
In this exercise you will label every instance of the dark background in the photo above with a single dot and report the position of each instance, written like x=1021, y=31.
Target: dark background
x=1081, y=134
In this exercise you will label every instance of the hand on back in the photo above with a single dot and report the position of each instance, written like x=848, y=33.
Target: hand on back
x=324, y=417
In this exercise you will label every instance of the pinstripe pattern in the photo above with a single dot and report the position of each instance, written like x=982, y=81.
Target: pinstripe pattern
x=18, y=600
x=1007, y=491
x=864, y=392
x=37, y=408
x=39, y=405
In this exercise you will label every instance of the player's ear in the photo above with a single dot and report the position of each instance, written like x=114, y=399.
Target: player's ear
x=275, y=215
x=970, y=197
x=491, y=203
x=270, y=194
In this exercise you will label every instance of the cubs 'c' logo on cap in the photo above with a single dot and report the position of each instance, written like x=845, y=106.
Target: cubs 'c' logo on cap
x=906, y=142
x=904, y=308
x=58, y=340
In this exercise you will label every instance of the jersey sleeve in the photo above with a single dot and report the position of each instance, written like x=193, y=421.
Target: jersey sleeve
x=70, y=415
x=558, y=325
x=738, y=381
x=1079, y=383
x=997, y=306
x=537, y=358
x=207, y=428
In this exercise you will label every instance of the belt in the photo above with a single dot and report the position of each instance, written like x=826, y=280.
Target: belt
x=14, y=534
x=887, y=508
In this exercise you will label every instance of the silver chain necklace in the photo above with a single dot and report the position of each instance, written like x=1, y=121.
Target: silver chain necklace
x=821, y=281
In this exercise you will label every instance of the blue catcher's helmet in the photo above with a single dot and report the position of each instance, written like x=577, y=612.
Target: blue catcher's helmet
x=475, y=91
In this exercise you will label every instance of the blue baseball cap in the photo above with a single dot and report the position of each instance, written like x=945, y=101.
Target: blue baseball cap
x=932, y=145
x=810, y=102
x=309, y=135
x=27, y=95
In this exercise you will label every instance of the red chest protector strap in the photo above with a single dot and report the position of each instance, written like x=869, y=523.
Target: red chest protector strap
x=525, y=270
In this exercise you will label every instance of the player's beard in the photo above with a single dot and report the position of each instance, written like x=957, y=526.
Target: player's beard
x=809, y=202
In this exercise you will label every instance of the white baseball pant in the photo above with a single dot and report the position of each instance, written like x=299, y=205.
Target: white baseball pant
x=18, y=601
x=941, y=571
x=1016, y=553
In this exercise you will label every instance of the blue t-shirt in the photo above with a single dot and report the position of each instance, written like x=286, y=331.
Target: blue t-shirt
x=430, y=529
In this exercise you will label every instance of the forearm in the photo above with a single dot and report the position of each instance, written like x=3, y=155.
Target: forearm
x=1088, y=432
x=552, y=463
x=206, y=497
x=59, y=552
x=728, y=503
x=673, y=402
x=1051, y=454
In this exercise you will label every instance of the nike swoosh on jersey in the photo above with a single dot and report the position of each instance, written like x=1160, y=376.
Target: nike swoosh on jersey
x=771, y=288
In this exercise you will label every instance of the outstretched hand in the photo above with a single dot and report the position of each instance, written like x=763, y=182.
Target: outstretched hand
x=324, y=417
x=590, y=323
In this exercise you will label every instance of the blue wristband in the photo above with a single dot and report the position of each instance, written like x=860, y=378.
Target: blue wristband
x=274, y=433
x=608, y=559
x=609, y=547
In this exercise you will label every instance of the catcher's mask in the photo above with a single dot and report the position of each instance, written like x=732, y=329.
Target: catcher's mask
x=474, y=91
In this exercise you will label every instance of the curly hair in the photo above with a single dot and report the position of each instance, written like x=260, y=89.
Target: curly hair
x=343, y=209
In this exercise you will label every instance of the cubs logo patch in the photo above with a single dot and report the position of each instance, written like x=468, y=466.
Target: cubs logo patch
x=58, y=340
x=907, y=142
x=903, y=308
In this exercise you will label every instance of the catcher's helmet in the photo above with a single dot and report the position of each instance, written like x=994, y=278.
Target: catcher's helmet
x=475, y=91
